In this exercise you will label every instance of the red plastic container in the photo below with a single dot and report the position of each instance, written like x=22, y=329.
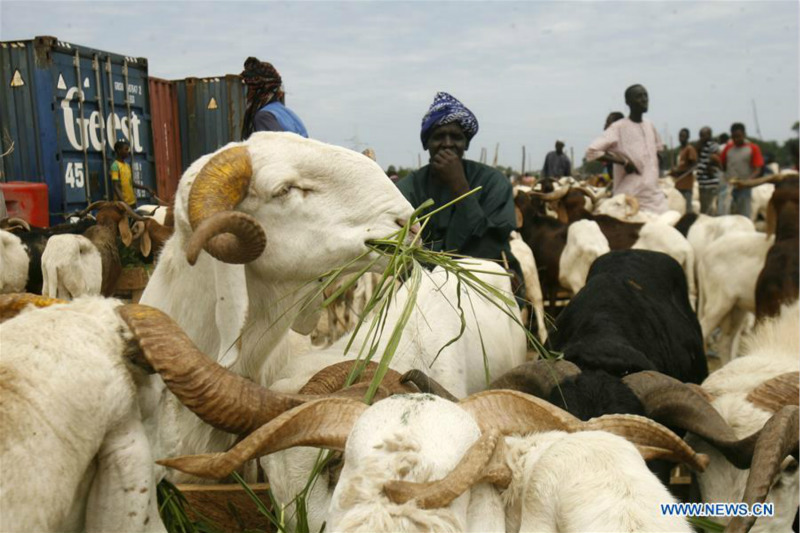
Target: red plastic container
x=28, y=201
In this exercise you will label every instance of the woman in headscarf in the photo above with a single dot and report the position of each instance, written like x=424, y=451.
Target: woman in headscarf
x=266, y=110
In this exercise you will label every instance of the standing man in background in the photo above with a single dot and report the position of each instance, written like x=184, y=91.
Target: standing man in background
x=556, y=163
x=707, y=171
x=122, y=177
x=266, y=109
x=632, y=145
x=684, y=172
x=742, y=162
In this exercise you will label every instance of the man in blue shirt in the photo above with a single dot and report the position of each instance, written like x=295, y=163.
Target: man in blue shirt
x=557, y=164
x=266, y=109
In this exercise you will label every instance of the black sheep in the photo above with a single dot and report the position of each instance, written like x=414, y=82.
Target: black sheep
x=633, y=315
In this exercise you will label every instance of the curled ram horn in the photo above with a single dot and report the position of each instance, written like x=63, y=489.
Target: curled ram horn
x=554, y=196
x=227, y=235
x=323, y=423
x=536, y=377
x=14, y=222
x=515, y=412
x=778, y=439
x=426, y=384
x=483, y=462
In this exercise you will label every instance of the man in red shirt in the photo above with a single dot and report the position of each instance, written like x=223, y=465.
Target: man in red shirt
x=742, y=162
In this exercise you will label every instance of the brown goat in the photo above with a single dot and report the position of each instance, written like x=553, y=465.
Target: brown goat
x=153, y=235
x=621, y=235
x=777, y=283
x=546, y=238
x=112, y=220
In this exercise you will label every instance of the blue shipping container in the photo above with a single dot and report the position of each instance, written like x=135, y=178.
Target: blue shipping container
x=210, y=114
x=62, y=107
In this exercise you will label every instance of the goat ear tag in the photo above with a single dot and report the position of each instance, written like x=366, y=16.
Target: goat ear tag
x=125, y=231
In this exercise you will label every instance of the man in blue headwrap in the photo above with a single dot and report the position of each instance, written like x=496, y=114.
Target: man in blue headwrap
x=479, y=225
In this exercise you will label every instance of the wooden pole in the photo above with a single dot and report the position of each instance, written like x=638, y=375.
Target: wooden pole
x=523, y=160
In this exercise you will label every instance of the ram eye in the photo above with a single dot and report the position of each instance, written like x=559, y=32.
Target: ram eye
x=283, y=191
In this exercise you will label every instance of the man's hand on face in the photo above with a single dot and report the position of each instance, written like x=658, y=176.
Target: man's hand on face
x=446, y=146
x=446, y=167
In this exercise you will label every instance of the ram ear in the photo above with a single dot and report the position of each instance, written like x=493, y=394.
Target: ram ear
x=145, y=244
x=124, y=231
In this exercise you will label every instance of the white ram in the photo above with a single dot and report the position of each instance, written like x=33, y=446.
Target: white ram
x=77, y=441
x=727, y=275
x=409, y=466
x=585, y=243
x=71, y=267
x=769, y=352
x=272, y=214
x=14, y=263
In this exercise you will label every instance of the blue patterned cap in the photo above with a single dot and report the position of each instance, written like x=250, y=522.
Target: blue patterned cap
x=445, y=110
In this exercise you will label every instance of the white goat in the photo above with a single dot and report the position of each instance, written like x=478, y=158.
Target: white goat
x=585, y=243
x=71, y=267
x=727, y=275
x=706, y=230
x=409, y=466
x=308, y=206
x=14, y=263
x=530, y=273
x=492, y=344
x=760, y=199
x=576, y=482
x=770, y=351
x=77, y=441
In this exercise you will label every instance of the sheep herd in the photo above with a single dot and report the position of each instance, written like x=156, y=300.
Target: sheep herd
x=213, y=371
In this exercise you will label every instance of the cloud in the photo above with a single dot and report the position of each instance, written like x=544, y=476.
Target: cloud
x=365, y=72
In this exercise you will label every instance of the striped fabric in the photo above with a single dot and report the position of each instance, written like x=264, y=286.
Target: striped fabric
x=706, y=174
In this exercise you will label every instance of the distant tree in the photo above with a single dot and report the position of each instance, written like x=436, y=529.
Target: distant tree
x=591, y=167
x=796, y=127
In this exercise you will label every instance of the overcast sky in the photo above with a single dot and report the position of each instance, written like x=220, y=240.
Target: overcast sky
x=364, y=73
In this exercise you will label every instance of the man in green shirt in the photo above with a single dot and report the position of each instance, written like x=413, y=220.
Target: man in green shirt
x=479, y=225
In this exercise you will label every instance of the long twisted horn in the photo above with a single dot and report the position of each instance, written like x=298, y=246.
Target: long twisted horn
x=588, y=192
x=537, y=378
x=514, y=412
x=216, y=395
x=674, y=404
x=483, y=462
x=779, y=438
x=12, y=304
x=324, y=423
x=504, y=412
x=229, y=236
x=427, y=384
x=777, y=392
x=94, y=205
x=333, y=378
x=14, y=222
x=554, y=196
